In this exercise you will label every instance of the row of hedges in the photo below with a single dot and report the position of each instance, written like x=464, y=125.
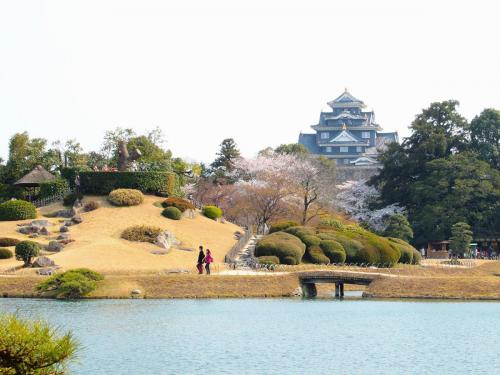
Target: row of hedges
x=288, y=248
x=59, y=186
x=334, y=242
x=102, y=183
x=17, y=210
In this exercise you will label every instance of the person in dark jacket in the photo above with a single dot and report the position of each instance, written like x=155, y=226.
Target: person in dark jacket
x=201, y=259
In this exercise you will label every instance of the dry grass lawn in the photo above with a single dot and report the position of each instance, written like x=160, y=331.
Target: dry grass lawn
x=98, y=244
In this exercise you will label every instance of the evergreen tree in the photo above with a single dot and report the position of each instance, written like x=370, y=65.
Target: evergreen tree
x=485, y=136
x=399, y=227
x=292, y=149
x=227, y=155
x=461, y=237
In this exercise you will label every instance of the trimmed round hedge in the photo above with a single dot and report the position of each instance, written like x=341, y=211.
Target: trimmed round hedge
x=212, y=212
x=172, y=213
x=6, y=241
x=27, y=250
x=316, y=255
x=269, y=259
x=17, y=209
x=288, y=248
x=409, y=255
x=126, y=197
x=333, y=250
x=350, y=246
x=310, y=240
x=179, y=203
x=282, y=225
x=141, y=233
x=5, y=253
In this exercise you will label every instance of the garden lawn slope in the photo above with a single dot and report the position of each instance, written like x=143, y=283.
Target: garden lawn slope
x=98, y=245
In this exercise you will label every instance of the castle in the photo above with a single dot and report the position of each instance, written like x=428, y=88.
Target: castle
x=350, y=136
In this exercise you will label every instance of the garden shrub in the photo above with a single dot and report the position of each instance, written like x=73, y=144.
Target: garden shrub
x=301, y=232
x=70, y=173
x=269, y=259
x=102, y=183
x=57, y=186
x=212, y=212
x=310, y=240
x=288, y=248
x=141, y=233
x=330, y=223
x=91, y=206
x=5, y=241
x=405, y=250
x=17, y=210
x=126, y=197
x=315, y=255
x=172, y=213
x=5, y=253
x=417, y=257
x=282, y=225
x=26, y=251
x=71, y=198
x=333, y=250
x=179, y=203
x=71, y=284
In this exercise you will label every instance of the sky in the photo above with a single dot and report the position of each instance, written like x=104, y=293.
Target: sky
x=259, y=71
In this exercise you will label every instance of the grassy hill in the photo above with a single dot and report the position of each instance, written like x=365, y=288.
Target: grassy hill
x=98, y=244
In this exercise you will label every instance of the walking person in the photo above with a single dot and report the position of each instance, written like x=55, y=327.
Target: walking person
x=208, y=260
x=201, y=259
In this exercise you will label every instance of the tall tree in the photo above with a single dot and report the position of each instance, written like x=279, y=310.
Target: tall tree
x=292, y=149
x=399, y=227
x=485, y=136
x=461, y=237
x=226, y=157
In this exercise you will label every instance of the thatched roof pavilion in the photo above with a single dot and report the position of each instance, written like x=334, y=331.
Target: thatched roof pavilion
x=33, y=179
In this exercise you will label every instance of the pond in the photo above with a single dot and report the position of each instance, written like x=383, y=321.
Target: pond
x=276, y=336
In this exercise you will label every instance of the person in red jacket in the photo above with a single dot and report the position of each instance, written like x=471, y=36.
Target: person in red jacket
x=208, y=260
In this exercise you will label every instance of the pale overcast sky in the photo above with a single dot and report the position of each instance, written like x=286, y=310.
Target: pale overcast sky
x=259, y=71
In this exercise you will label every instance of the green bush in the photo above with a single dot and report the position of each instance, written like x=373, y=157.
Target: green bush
x=417, y=257
x=54, y=187
x=91, y=206
x=70, y=199
x=288, y=248
x=331, y=223
x=5, y=253
x=315, y=255
x=269, y=259
x=71, y=284
x=26, y=251
x=212, y=212
x=179, y=203
x=141, y=233
x=350, y=246
x=172, y=213
x=404, y=248
x=102, y=183
x=333, y=250
x=17, y=210
x=282, y=225
x=310, y=240
x=126, y=197
x=34, y=347
x=5, y=241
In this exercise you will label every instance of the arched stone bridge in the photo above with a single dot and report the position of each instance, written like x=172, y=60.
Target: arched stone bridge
x=308, y=280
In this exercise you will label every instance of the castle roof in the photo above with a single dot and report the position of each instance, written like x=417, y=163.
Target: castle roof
x=346, y=100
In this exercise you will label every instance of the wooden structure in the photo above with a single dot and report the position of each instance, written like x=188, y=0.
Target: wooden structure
x=438, y=249
x=33, y=179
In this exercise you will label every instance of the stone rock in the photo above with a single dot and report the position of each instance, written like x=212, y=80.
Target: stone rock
x=65, y=242
x=68, y=223
x=41, y=223
x=46, y=271
x=29, y=229
x=159, y=252
x=64, y=228
x=77, y=219
x=73, y=211
x=23, y=224
x=43, y=261
x=44, y=231
x=63, y=236
x=55, y=246
x=136, y=291
x=34, y=235
x=166, y=240
x=297, y=292
x=64, y=213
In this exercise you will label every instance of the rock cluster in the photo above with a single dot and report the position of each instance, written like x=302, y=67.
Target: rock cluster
x=166, y=240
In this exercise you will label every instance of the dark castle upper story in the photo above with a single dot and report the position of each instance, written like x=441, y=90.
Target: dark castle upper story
x=347, y=134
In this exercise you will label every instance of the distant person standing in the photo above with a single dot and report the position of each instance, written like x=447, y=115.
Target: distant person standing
x=201, y=259
x=208, y=260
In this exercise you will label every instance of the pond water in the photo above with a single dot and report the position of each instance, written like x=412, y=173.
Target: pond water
x=276, y=336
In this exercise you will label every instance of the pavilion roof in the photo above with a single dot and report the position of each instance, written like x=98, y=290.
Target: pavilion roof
x=38, y=175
